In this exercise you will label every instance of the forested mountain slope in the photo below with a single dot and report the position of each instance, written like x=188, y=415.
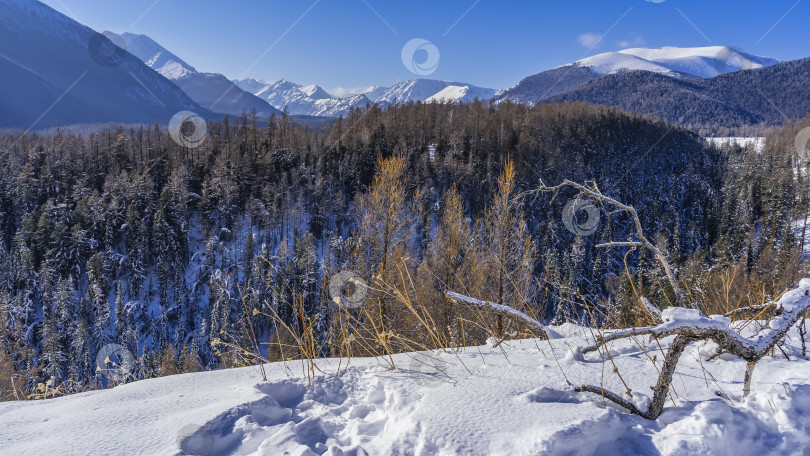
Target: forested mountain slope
x=759, y=97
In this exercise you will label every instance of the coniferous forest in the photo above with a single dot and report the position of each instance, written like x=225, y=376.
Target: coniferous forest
x=181, y=254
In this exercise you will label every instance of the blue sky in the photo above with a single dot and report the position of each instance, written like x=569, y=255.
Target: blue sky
x=491, y=43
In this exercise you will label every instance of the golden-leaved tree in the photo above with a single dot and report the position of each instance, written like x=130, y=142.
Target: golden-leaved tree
x=505, y=252
x=380, y=251
x=447, y=266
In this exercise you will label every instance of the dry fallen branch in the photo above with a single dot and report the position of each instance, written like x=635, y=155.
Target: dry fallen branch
x=502, y=310
x=659, y=391
x=689, y=326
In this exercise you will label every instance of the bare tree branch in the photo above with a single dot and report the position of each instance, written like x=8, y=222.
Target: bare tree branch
x=789, y=308
x=642, y=240
x=604, y=339
x=620, y=244
x=501, y=310
x=612, y=397
x=659, y=391
x=752, y=310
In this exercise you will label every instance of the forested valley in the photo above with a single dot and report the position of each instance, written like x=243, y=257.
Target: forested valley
x=191, y=257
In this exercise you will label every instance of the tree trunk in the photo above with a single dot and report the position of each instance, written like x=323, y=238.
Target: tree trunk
x=665, y=379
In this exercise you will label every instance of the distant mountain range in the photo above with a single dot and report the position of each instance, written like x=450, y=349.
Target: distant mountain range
x=313, y=100
x=431, y=90
x=210, y=90
x=59, y=72
x=309, y=100
x=218, y=94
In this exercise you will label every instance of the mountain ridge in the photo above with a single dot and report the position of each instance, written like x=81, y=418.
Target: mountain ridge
x=82, y=83
x=758, y=97
x=211, y=90
x=311, y=100
x=703, y=62
x=677, y=62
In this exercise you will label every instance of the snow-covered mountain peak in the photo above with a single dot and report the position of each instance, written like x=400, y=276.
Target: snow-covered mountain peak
x=704, y=62
x=251, y=85
x=372, y=92
x=461, y=93
x=316, y=92
x=154, y=55
x=282, y=84
x=211, y=90
x=433, y=90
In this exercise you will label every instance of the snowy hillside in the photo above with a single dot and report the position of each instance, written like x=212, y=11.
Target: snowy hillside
x=705, y=89
x=703, y=62
x=154, y=55
x=211, y=90
x=479, y=401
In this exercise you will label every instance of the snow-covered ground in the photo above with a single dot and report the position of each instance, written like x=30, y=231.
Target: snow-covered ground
x=508, y=400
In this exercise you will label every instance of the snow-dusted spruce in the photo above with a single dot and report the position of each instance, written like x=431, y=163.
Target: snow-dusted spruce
x=689, y=325
x=642, y=241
